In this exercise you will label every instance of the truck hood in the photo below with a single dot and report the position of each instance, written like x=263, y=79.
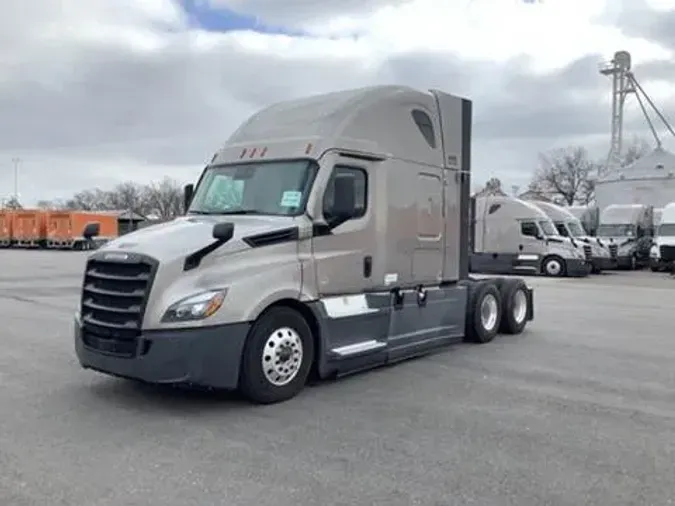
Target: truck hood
x=665, y=241
x=185, y=235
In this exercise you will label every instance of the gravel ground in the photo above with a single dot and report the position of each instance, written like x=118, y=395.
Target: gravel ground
x=578, y=410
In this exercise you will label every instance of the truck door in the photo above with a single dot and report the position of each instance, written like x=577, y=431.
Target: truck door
x=531, y=238
x=354, y=319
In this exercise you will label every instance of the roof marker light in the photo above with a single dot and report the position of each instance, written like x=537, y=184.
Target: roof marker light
x=243, y=153
x=263, y=152
x=308, y=148
x=253, y=151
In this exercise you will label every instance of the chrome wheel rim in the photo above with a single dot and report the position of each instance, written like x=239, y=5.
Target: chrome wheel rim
x=519, y=306
x=489, y=311
x=282, y=356
x=553, y=267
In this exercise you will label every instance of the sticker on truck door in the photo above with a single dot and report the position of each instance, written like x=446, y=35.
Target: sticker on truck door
x=291, y=199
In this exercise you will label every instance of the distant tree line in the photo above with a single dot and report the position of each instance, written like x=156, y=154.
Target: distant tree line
x=162, y=199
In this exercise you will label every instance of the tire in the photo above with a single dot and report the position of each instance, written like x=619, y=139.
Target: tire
x=514, y=306
x=654, y=268
x=286, y=333
x=480, y=329
x=553, y=266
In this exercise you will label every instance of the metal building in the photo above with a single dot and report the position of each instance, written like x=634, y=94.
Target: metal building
x=649, y=180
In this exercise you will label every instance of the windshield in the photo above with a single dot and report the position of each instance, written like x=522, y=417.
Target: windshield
x=562, y=229
x=548, y=228
x=615, y=231
x=576, y=229
x=276, y=188
x=667, y=230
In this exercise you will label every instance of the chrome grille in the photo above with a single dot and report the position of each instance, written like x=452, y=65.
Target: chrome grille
x=588, y=251
x=114, y=295
x=613, y=251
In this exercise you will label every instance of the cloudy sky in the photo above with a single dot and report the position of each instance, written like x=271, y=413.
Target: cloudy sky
x=93, y=92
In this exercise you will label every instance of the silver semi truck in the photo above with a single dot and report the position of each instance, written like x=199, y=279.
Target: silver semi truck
x=589, y=216
x=514, y=236
x=329, y=235
x=570, y=226
x=629, y=229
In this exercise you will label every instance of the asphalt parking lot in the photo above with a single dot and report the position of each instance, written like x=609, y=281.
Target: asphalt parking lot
x=579, y=410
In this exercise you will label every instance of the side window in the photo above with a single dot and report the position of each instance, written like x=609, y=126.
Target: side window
x=423, y=122
x=529, y=229
x=562, y=230
x=360, y=182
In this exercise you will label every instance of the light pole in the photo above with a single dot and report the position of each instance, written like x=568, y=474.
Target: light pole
x=16, y=162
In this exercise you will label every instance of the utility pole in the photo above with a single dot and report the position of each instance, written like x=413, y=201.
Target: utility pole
x=16, y=162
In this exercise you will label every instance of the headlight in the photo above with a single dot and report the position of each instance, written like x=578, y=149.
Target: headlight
x=654, y=252
x=195, y=307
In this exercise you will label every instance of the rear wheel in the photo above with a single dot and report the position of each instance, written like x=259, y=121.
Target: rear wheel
x=514, y=306
x=483, y=313
x=277, y=357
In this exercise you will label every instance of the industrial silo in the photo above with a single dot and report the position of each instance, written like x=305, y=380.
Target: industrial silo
x=649, y=180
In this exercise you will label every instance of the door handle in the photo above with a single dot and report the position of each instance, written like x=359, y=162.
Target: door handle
x=367, y=266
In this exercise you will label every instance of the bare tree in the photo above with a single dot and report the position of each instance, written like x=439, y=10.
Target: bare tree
x=13, y=203
x=164, y=198
x=127, y=196
x=493, y=186
x=88, y=200
x=566, y=175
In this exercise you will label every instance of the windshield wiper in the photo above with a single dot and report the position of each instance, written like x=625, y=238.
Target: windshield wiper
x=241, y=211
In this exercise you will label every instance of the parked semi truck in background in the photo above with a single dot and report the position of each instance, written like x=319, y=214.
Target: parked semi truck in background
x=589, y=216
x=601, y=255
x=329, y=235
x=630, y=227
x=511, y=235
x=662, y=252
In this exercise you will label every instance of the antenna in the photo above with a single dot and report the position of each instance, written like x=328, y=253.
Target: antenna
x=623, y=84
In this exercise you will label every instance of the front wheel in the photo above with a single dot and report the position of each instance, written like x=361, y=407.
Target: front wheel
x=277, y=357
x=553, y=266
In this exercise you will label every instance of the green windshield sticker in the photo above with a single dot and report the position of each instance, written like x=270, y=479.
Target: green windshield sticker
x=291, y=199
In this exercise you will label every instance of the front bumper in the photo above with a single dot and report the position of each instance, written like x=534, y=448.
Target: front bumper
x=624, y=261
x=206, y=356
x=604, y=263
x=578, y=268
x=659, y=263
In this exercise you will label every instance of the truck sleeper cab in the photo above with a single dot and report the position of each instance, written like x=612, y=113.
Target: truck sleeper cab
x=628, y=228
x=662, y=252
x=329, y=235
x=571, y=227
x=514, y=236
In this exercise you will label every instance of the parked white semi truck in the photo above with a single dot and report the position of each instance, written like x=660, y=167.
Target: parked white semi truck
x=514, y=236
x=630, y=228
x=329, y=235
x=662, y=252
x=570, y=226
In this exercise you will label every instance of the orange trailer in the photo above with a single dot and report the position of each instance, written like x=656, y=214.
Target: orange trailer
x=5, y=229
x=64, y=228
x=28, y=228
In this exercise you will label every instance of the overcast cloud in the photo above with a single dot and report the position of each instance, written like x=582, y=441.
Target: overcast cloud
x=98, y=91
